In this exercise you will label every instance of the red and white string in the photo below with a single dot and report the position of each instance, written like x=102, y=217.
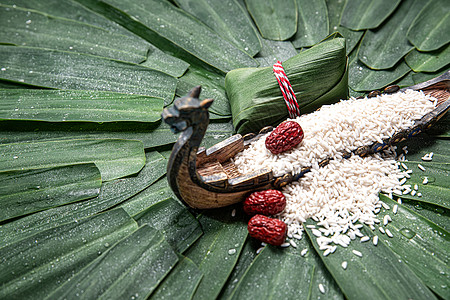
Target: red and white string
x=286, y=90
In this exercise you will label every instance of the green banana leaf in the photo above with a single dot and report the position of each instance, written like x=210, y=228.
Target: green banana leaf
x=291, y=275
x=255, y=97
x=437, y=190
x=69, y=9
x=361, y=78
x=181, y=282
x=217, y=251
x=275, y=274
x=24, y=192
x=155, y=193
x=312, y=25
x=425, y=76
x=213, y=87
x=276, y=20
x=335, y=9
x=87, y=106
x=35, y=266
x=126, y=270
x=380, y=274
x=179, y=227
x=436, y=214
x=112, y=193
x=65, y=70
x=160, y=18
x=385, y=46
x=114, y=158
x=431, y=28
x=228, y=19
x=421, y=244
x=272, y=51
x=428, y=61
x=152, y=135
x=246, y=257
x=367, y=14
x=153, y=57
x=36, y=29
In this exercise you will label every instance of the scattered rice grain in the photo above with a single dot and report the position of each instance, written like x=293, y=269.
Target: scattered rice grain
x=357, y=253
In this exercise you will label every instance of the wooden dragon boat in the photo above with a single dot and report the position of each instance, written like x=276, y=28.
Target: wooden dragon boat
x=207, y=178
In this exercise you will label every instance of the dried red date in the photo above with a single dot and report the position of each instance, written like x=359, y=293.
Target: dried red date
x=267, y=230
x=285, y=137
x=269, y=202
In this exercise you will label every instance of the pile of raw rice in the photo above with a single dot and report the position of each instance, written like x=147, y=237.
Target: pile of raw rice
x=346, y=190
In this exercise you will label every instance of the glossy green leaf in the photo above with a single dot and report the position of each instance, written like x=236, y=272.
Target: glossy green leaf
x=158, y=60
x=114, y=158
x=423, y=76
x=367, y=14
x=155, y=193
x=380, y=274
x=222, y=233
x=272, y=51
x=160, y=17
x=112, y=193
x=181, y=282
x=431, y=28
x=421, y=244
x=93, y=106
x=436, y=214
x=178, y=225
x=275, y=274
x=229, y=19
x=321, y=275
x=151, y=135
x=312, y=25
x=35, y=266
x=24, y=192
x=255, y=97
x=385, y=46
x=64, y=70
x=126, y=270
x=428, y=61
x=335, y=9
x=437, y=190
x=153, y=57
x=361, y=78
x=213, y=87
x=70, y=10
x=276, y=20
x=246, y=257
x=35, y=29
x=423, y=144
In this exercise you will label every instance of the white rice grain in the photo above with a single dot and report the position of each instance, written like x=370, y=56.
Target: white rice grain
x=357, y=253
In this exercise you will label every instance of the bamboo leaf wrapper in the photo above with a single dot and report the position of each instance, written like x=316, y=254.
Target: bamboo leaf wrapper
x=255, y=97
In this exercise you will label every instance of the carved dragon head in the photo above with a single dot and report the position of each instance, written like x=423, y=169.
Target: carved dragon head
x=187, y=111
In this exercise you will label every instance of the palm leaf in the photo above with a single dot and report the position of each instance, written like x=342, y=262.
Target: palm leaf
x=104, y=278
x=276, y=20
x=370, y=269
x=24, y=192
x=384, y=47
x=112, y=162
x=63, y=70
x=229, y=19
x=420, y=244
x=367, y=14
x=428, y=61
x=312, y=23
x=50, y=262
x=57, y=106
x=430, y=30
